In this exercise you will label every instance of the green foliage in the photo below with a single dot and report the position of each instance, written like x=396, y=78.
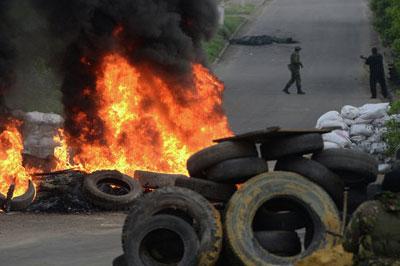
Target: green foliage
x=234, y=17
x=387, y=22
x=394, y=108
x=392, y=137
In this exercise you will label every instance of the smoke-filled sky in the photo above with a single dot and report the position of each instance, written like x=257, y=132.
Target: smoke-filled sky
x=42, y=41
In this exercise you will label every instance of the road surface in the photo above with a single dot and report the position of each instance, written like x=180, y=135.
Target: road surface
x=333, y=33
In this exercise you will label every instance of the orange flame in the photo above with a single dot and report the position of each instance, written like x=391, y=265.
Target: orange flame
x=11, y=169
x=147, y=126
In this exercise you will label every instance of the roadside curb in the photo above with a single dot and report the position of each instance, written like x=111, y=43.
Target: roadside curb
x=227, y=44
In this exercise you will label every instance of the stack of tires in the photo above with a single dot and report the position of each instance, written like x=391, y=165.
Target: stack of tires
x=274, y=218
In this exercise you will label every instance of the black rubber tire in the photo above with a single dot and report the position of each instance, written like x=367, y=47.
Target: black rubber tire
x=254, y=193
x=22, y=202
x=373, y=190
x=354, y=167
x=236, y=171
x=204, y=159
x=120, y=261
x=212, y=191
x=137, y=256
x=280, y=243
x=206, y=219
x=316, y=173
x=283, y=220
x=108, y=201
x=357, y=196
x=278, y=148
x=156, y=180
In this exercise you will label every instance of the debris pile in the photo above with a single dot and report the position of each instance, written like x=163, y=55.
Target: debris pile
x=261, y=40
x=359, y=129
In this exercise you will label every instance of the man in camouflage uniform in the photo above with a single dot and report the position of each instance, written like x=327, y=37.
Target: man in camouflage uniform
x=373, y=234
x=294, y=67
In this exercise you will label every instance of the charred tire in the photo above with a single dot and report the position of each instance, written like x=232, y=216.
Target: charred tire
x=286, y=220
x=281, y=147
x=254, y=193
x=22, y=202
x=316, y=173
x=120, y=261
x=108, y=201
x=280, y=243
x=156, y=180
x=138, y=246
x=354, y=167
x=210, y=190
x=207, y=220
x=223, y=151
x=236, y=171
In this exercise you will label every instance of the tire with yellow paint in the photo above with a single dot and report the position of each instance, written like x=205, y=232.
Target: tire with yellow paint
x=241, y=243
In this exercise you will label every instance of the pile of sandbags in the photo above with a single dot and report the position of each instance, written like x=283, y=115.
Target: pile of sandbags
x=360, y=129
x=39, y=130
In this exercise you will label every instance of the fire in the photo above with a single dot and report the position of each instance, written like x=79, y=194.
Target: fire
x=147, y=124
x=11, y=169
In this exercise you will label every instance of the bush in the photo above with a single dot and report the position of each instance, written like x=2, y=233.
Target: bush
x=392, y=137
x=387, y=22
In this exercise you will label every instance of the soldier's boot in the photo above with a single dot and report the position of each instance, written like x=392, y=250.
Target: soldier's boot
x=286, y=90
x=299, y=91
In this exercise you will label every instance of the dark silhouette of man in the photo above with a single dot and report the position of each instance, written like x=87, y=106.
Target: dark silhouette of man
x=294, y=67
x=376, y=73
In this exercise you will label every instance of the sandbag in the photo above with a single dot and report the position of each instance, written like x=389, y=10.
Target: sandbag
x=333, y=124
x=330, y=145
x=340, y=137
x=361, y=129
x=350, y=112
x=329, y=116
x=373, y=111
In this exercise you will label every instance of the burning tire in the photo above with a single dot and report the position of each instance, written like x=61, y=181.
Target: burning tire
x=198, y=211
x=280, y=243
x=286, y=186
x=111, y=190
x=210, y=190
x=236, y=171
x=161, y=240
x=22, y=202
x=354, y=167
x=156, y=180
x=316, y=173
x=281, y=147
x=213, y=155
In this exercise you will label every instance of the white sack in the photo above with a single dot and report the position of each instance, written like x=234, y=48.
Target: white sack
x=361, y=129
x=358, y=139
x=330, y=145
x=329, y=116
x=333, y=124
x=377, y=148
x=373, y=111
x=350, y=112
x=339, y=137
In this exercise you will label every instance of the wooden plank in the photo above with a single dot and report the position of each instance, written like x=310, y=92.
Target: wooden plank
x=271, y=132
x=250, y=136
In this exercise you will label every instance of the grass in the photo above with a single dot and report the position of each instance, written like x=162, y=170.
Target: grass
x=235, y=15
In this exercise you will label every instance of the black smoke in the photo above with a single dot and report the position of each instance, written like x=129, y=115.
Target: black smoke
x=7, y=53
x=167, y=34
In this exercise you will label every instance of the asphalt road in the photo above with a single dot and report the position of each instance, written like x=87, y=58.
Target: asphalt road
x=333, y=33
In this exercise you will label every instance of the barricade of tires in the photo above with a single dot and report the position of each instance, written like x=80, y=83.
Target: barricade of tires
x=274, y=218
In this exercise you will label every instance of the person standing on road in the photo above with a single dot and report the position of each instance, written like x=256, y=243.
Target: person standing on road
x=373, y=234
x=294, y=67
x=376, y=72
